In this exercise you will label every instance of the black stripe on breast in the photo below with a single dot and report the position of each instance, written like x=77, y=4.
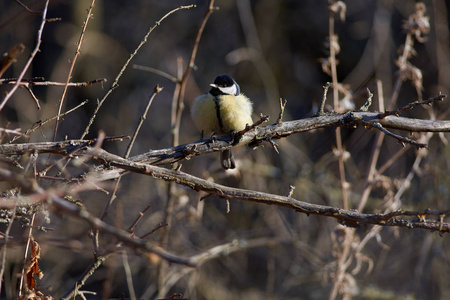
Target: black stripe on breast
x=219, y=118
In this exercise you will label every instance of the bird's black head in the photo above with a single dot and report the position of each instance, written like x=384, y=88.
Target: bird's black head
x=224, y=85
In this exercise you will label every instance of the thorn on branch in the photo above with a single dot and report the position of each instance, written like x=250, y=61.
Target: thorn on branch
x=158, y=89
x=282, y=106
x=339, y=7
x=189, y=152
x=52, y=20
x=262, y=119
x=368, y=103
x=237, y=135
x=291, y=191
x=441, y=224
x=324, y=98
x=274, y=145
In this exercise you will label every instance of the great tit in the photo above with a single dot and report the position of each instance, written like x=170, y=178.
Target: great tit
x=221, y=111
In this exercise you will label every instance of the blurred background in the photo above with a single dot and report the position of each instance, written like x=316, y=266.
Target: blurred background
x=273, y=49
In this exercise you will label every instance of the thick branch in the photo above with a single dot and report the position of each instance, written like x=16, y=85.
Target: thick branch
x=347, y=217
x=254, y=136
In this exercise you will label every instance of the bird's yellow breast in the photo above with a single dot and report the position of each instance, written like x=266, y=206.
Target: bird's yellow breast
x=203, y=112
x=230, y=113
x=236, y=112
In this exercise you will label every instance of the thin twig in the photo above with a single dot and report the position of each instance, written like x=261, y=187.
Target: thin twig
x=141, y=214
x=368, y=103
x=30, y=60
x=115, y=84
x=97, y=263
x=430, y=101
x=34, y=97
x=156, y=91
x=72, y=66
x=128, y=275
x=11, y=131
x=401, y=139
x=160, y=225
x=39, y=124
x=5, y=247
x=146, y=246
x=156, y=71
x=282, y=106
x=30, y=235
x=33, y=12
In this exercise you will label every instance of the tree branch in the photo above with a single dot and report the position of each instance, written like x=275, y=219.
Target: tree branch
x=347, y=217
x=254, y=136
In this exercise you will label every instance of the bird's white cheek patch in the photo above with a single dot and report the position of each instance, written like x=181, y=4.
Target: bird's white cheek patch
x=229, y=90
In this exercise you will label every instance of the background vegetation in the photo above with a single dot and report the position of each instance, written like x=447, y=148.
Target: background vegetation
x=274, y=49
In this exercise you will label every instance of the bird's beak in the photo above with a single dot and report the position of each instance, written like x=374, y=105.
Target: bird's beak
x=214, y=85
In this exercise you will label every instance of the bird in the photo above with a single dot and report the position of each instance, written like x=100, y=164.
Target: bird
x=222, y=110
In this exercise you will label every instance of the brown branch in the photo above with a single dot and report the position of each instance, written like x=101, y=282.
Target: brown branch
x=10, y=58
x=54, y=199
x=61, y=148
x=10, y=131
x=348, y=217
x=39, y=82
x=254, y=136
x=97, y=263
x=122, y=235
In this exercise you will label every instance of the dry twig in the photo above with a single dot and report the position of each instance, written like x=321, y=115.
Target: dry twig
x=30, y=60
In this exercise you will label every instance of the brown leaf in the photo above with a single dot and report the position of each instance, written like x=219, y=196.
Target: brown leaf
x=32, y=266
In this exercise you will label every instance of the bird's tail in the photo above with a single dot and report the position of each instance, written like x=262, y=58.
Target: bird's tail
x=227, y=159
